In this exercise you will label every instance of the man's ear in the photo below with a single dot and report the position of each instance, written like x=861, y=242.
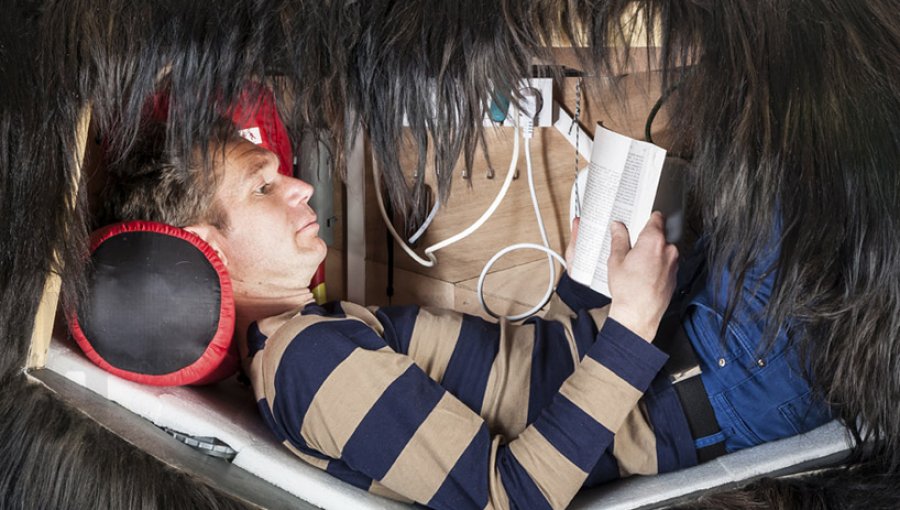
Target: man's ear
x=212, y=236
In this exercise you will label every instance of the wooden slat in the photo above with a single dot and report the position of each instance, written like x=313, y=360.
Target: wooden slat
x=356, y=221
x=46, y=314
x=513, y=221
x=512, y=283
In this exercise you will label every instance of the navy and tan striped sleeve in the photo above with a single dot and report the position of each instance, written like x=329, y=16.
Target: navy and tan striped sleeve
x=578, y=296
x=337, y=388
x=580, y=311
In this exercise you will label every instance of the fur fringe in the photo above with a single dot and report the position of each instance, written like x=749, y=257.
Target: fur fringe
x=56, y=457
x=789, y=112
x=40, y=230
x=787, y=108
x=867, y=485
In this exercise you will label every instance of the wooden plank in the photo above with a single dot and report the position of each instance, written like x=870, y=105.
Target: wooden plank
x=623, y=108
x=46, y=314
x=508, y=292
x=356, y=221
x=409, y=288
x=554, y=166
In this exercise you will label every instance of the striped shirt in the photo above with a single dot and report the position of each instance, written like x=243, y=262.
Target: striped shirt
x=452, y=411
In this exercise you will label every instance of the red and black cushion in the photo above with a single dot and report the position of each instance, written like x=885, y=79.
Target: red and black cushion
x=160, y=308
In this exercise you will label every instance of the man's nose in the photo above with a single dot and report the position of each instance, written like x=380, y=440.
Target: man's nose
x=298, y=192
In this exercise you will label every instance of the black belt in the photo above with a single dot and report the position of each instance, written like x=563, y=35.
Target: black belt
x=682, y=367
x=684, y=371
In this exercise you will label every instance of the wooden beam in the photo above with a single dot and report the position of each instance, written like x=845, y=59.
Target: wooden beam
x=356, y=220
x=46, y=314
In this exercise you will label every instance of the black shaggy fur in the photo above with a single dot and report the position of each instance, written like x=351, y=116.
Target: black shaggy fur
x=56, y=457
x=436, y=64
x=870, y=485
x=789, y=109
x=35, y=212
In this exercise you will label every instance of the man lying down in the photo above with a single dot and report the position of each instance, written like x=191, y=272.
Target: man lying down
x=453, y=411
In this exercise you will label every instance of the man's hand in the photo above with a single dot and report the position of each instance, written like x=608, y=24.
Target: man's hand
x=641, y=279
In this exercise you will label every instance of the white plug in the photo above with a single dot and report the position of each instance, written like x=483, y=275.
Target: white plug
x=530, y=106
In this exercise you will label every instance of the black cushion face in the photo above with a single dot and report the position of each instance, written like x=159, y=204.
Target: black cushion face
x=154, y=305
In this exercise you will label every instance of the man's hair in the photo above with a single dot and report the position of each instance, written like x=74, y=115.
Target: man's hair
x=154, y=183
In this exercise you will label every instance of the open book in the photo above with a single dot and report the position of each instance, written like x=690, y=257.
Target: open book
x=621, y=186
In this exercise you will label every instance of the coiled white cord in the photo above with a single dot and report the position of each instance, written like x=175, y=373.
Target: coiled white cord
x=510, y=174
x=551, y=255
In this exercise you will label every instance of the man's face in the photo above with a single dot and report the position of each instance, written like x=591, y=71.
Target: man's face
x=271, y=245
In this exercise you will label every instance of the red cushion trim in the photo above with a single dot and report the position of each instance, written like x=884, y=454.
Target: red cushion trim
x=219, y=360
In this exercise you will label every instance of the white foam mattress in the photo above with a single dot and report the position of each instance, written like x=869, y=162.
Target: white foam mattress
x=228, y=412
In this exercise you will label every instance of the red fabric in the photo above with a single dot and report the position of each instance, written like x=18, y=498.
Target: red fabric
x=219, y=360
x=256, y=116
x=319, y=276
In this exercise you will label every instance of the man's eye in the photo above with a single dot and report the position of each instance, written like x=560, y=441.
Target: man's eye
x=264, y=189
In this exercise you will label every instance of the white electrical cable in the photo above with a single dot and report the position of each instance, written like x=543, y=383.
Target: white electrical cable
x=510, y=174
x=545, y=248
x=519, y=246
x=429, y=252
x=415, y=237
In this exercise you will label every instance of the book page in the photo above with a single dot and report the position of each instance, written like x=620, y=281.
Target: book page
x=610, y=150
x=618, y=189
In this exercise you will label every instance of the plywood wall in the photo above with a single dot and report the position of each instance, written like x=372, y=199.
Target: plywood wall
x=520, y=278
